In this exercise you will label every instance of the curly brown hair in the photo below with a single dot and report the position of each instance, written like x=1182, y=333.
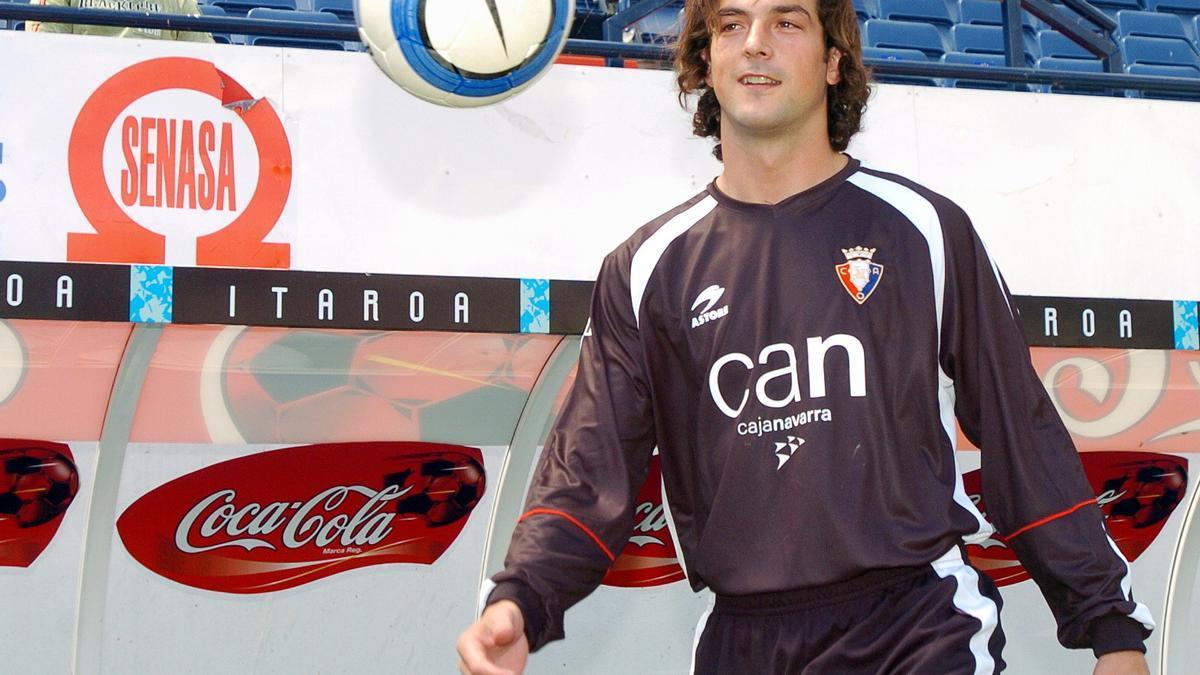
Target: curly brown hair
x=846, y=100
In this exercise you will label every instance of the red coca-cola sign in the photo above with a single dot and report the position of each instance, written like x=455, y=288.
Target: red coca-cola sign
x=38, y=481
x=1137, y=491
x=287, y=517
x=649, y=558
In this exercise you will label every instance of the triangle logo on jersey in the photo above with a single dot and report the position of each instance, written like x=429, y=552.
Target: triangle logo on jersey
x=859, y=274
x=785, y=449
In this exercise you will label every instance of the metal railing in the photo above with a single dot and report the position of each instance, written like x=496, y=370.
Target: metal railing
x=1110, y=81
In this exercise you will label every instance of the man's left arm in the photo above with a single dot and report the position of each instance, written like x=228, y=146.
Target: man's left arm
x=1036, y=493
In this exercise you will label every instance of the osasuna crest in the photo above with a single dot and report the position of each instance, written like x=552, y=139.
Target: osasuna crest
x=859, y=274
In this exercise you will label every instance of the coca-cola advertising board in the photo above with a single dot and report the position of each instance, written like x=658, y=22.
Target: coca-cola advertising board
x=649, y=558
x=310, y=558
x=278, y=519
x=45, y=490
x=1136, y=491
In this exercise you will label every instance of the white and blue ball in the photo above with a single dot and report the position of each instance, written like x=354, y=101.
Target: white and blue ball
x=464, y=53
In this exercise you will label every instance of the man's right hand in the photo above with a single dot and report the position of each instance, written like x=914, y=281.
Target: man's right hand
x=496, y=643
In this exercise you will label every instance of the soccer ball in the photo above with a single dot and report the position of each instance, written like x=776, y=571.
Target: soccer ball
x=440, y=490
x=36, y=485
x=464, y=53
x=317, y=386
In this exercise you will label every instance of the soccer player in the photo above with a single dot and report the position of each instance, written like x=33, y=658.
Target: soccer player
x=797, y=341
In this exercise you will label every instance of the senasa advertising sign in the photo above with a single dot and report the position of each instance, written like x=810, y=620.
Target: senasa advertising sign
x=283, y=518
x=172, y=155
x=1136, y=491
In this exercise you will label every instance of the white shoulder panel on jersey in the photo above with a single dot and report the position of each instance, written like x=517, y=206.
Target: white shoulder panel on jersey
x=645, y=259
x=923, y=216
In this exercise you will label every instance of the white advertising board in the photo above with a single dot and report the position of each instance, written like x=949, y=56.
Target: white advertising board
x=1077, y=196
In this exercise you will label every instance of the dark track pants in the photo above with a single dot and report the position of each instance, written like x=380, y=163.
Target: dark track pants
x=940, y=618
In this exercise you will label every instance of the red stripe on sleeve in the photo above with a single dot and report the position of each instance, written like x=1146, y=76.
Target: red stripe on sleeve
x=576, y=523
x=1043, y=521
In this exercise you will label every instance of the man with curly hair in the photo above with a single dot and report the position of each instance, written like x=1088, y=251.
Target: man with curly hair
x=797, y=341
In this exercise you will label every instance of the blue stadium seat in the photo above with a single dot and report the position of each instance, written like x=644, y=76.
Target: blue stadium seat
x=213, y=10
x=978, y=39
x=904, y=35
x=971, y=39
x=980, y=12
x=1117, y=4
x=928, y=11
x=1163, y=71
x=893, y=54
x=985, y=61
x=865, y=9
x=1174, y=6
x=987, y=13
x=1054, y=43
x=660, y=27
x=1159, y=52
x=1072, y=65
x=1149, y=24
x=241, y=7
x=342, y=9
x=293, y=15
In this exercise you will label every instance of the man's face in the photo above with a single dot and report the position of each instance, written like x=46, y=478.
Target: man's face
x=769, y=66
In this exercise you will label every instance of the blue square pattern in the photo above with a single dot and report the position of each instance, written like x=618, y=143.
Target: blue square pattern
x=151, y=293
x=1187, y=328
x=535, y=305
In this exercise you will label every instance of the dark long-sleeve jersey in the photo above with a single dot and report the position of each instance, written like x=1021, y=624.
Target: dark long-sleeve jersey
x=799, y=367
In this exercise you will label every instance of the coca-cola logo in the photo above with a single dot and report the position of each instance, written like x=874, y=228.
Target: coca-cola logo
x=38, y=481
x=287, y=517
x=1136, y=491
x=649, y=558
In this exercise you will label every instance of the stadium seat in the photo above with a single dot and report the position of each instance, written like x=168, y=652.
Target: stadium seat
x=978, y=39
x=980, y=12
x=928, y=11
x=892, y=54
x=1159, y=52
x=1163, y=71
x=904, y=35
x=865, y=9
x=985, y=61
x=1149, y=24
x=267, y=13
x=971, y=39
x=241, y=7
x=1069, y=65
x=1116, y=4
x=1076, y=66
x=213, y=10
x=1054, y=43
x=589, y=19
x=342, y=9
x=987, y=13
x=659, y=27
x=1174, y=6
